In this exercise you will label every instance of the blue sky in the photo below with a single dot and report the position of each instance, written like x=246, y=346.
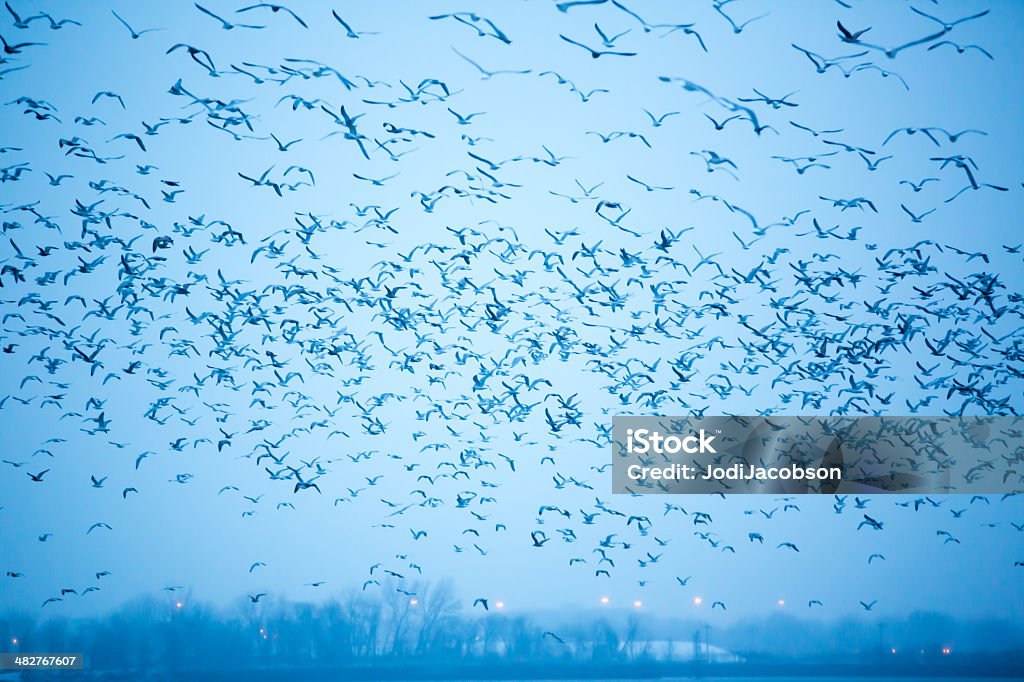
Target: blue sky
x=185, y=533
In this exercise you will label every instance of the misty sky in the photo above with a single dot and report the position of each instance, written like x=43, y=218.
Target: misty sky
x=179, y=531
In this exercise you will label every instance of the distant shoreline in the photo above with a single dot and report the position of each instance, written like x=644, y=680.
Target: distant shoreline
x=427, y=670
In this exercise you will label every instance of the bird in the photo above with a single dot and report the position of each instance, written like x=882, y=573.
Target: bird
x=111, y=95
x=56, y=180
x=720, y=125
x=927, y=132
x=548, y=633
x=134, y=34
x=198, y=55
x=487, y=74
x=848, y=36
x=916, y=218
x=464, y=119
x=349, y=32
x=275, y=9
x=870, y=522
x=19, y=21
x=607, y=40
x=596, y=53
x=225, y=24
x=649, y=188
x=960, y=49
x=375, y=182
x=918, y=186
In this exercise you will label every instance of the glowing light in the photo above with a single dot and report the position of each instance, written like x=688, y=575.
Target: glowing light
x=500, y=605
x=698, y=601
x=894, y=650
x=782, y=602
x=604, y=600
x=14, y=640
x=178, y=605
x=414, y=602
x=638, y=603
x=946, y=650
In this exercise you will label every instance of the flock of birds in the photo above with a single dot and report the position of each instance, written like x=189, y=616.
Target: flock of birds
x=397, y=352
